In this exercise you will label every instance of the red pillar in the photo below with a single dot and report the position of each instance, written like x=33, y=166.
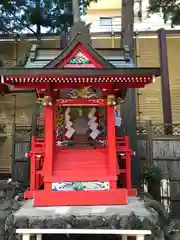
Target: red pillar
x=111, y=143
x=48, y=144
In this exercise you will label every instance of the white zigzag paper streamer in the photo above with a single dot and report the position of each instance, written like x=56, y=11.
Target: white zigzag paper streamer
x=68, y=124
x=93, y=124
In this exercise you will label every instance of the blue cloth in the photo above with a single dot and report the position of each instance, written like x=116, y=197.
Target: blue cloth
x=117, y=120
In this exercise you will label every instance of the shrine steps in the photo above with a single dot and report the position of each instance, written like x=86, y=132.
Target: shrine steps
x=84, y=161
x=80, y=176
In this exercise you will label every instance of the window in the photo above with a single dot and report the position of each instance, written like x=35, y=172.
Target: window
x=105, y=21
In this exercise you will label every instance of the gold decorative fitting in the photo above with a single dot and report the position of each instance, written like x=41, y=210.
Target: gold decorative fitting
x=111, y=100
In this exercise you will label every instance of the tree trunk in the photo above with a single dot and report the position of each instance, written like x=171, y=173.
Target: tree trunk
x=38, y=26
x=128, y=107
x=38, y=32
x=76, y=10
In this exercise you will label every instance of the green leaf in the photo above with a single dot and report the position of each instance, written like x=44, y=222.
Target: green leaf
x=170, y=10
x=28, y=15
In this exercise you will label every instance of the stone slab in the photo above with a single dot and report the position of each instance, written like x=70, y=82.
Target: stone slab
x=144, y=214
x=135, y=205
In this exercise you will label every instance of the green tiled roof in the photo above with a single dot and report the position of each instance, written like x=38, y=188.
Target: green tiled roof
x=44, y=56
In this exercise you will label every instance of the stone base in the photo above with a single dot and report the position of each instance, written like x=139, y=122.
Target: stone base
x=131, y=216
x=83, y=212
x=144, y=214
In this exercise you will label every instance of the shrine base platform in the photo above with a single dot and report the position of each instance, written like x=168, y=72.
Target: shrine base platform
x=84, y=217
x=137, y=215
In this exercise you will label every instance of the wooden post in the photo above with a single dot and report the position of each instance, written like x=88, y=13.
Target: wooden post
x=13, y=138
x=111, y=142
x=149, y=142
x=124, y=237
x=39, y=237
x=33, y=166
x=140, y=237
x=34, y=119
x=165, y=88
x=13, y=173
x=25, y=236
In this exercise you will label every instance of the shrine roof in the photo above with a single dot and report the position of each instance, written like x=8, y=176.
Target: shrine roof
x=79, y=63
x=43, y=56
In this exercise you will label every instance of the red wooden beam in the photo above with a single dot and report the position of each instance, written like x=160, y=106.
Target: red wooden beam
x=81, y=102
x=75, y=85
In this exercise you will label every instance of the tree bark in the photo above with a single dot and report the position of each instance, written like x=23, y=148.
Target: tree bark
x=38, y=26
x=76, y=10
x=128, y=107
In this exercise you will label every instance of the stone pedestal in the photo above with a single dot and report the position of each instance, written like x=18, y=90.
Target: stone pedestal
x=138, y=214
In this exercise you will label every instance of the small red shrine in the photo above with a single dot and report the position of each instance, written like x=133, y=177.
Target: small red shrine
x=80, y=161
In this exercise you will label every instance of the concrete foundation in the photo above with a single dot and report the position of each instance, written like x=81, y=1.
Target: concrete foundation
x=145, y=214
x=135, y=205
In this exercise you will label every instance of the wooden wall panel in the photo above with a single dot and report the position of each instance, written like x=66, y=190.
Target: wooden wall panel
x=150, y=100
x=25, y=103
x=174, y=75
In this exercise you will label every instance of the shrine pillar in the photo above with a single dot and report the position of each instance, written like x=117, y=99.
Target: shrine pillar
x=49, y=142
x=111, y=143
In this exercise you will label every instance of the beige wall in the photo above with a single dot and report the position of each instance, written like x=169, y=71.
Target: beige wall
x=104, y=5
x=150, y=100
x=103, y=8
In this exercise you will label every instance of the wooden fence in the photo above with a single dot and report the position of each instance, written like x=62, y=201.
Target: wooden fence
x=159, y=144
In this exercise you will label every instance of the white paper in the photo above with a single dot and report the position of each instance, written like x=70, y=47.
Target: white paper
x=93, y=119
x=67, y=111
x=93, y=126
x=68, y=124
x=95, y=133
x=67, y=118
x=92, y=112
x=70, y=132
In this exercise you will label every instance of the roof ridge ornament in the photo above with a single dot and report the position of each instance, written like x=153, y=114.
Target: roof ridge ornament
x=80, y=28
